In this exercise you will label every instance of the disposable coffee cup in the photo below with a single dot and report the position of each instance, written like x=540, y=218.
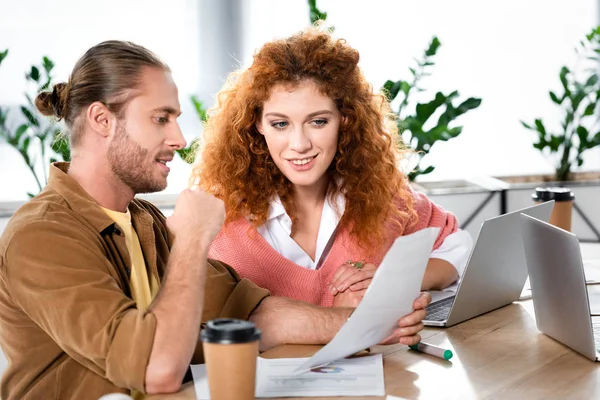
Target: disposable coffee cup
x=230, y=350
x=562, y=212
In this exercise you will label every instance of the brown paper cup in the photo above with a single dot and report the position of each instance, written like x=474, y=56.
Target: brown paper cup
x=230, y=351
x=562, y=212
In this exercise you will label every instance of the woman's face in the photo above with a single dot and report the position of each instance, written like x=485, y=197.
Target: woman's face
x=300, y=126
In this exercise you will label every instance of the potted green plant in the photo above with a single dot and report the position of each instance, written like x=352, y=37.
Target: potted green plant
x=574, y=131
x=412, y=124
x=578, y=104
x=38, y=140
x=423, y=124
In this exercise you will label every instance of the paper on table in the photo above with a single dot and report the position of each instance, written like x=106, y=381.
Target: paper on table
x=394, y=288
x=360, y=376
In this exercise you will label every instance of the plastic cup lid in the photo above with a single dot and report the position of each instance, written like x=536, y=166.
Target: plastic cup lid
x=553, y=193
x=230, y=331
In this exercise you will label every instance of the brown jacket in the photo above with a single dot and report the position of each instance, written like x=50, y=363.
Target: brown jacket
x=68, y=326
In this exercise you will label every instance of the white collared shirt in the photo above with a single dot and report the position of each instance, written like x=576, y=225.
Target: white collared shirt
x=277, y=232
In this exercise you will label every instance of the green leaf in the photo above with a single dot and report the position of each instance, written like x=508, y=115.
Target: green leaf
x=391, y=89
x=539, y=146
x=555, y=98
x=555, y=142
x=45, y=86
x=469, y=104
x=405, y=87
x=568, y=119
x=47, y=64
x=540, y=126
x=412, y=71
x=583, y=134
x=34, y=74
x=564, y=71
x=314, y=13
x=433, y=47
x=589, y=110
x=578, y=96
x=60, y=145
x=526, y=125
x=26, y=144
x=592, y=80
x=200, y=109
x=3, y=55
x=20, y=131
x=426, y=110
x=30, y=117
x=442, y=133
x=189, y=153
x=428, y=170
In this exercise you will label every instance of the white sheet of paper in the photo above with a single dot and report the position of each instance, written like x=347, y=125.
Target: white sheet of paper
x=360, y=376
x=390, y=296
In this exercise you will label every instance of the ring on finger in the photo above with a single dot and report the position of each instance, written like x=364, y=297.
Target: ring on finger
x=356, y=264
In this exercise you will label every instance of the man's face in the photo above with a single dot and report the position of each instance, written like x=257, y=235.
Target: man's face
x=147, y=136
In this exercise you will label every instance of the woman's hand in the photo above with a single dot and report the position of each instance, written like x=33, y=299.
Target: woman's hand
x=349, y=277
x=348, y=298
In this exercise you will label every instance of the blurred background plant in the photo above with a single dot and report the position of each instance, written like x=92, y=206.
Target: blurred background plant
x=415, y=118
x=38, y=140
x=188, y=154
x=578, y=102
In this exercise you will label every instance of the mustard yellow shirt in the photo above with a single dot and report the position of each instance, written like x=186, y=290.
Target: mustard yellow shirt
x=143, y=290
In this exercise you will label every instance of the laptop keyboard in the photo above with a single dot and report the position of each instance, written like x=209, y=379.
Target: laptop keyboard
x=440, y=310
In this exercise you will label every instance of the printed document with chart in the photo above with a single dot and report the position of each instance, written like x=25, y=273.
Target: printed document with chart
x=359, y=376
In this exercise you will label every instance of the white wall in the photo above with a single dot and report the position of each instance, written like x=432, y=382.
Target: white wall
x=509, y=53
x=65, y=29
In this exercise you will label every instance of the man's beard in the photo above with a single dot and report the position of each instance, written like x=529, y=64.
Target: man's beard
x=131, y=164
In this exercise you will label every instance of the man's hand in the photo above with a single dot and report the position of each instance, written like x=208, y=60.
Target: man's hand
x=198, y=215
x=178, y=307
x=410, y=325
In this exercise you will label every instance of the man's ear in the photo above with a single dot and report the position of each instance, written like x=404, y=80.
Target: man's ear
x=100, y=118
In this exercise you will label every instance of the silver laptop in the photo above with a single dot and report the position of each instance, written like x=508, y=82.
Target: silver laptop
x=495, y=273
x=560, y=297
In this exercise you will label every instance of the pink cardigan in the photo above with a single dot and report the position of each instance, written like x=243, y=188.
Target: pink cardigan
x=241, y=246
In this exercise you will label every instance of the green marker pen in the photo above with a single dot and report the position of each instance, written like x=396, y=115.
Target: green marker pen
x=433, y=350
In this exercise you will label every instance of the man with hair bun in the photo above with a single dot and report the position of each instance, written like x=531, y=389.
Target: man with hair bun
x=99, y=292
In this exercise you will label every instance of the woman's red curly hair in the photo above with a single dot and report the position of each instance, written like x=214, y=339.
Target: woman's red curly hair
x=235, y=164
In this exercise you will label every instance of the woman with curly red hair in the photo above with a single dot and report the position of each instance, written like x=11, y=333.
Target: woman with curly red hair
x=306, y=158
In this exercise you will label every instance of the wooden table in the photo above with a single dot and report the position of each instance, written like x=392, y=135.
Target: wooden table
x=499, y=355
